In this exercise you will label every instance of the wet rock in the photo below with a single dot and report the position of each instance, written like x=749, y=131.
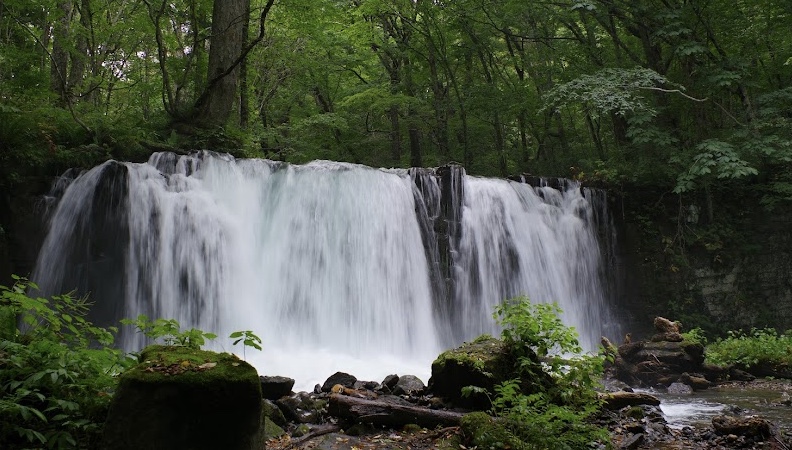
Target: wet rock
x=632, y=442
x=740, y=375
x=344, y=379
x=751, y=426
x=273, y=388
x=390, y=382
x=698, y=383
x=365, y=385
x=302, y=408
x=271, y=411
x=409, y=385
x=679, y=389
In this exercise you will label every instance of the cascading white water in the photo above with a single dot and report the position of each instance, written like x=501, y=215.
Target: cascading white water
x=537, y=242
x=335, y=266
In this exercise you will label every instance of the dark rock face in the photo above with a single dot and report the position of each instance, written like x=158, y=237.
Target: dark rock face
x=165, y=404
x=344, y=379
x=273, y=388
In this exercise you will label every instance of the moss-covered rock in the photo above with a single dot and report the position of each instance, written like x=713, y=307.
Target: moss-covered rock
x=184, y=398
x=484, y=362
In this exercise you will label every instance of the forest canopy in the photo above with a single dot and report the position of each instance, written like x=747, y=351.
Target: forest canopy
x=680, y=94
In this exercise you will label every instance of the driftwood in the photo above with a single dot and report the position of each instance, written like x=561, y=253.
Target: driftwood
x=382, y=413
x=620, y=399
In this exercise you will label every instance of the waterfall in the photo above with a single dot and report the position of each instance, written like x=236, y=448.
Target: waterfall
x=335, y=266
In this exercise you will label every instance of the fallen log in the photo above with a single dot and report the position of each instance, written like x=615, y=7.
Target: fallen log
x=620, y=399
x=389, y=414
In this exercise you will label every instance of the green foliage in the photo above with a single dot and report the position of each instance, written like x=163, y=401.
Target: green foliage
x=58, y=371
x=758, y=347
x=695, y=336
x=248, y=339
x=557, y=417
x=716, y=159
x=535, y=326
x=617, y=91
x=169, y=331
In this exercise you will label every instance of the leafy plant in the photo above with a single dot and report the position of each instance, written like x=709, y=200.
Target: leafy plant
x=170, y=332
x=58, y=370
x=248, y=339
x=763, y=346
x=695, y=336
x=557, y=416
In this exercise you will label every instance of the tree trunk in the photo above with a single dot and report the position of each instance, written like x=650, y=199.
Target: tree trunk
x=389, y=414
x=226, y=45
x=60, y=55
x=395, y=135
x=244, y=94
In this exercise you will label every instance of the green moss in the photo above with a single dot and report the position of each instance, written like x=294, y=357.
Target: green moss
x=480, y=354
x=178, y=364
x=178, y=397
x=271, y=429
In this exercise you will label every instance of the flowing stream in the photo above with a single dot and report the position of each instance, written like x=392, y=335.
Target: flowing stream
x=335, y=266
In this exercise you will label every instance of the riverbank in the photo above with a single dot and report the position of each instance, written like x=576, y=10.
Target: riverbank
x=678, y=423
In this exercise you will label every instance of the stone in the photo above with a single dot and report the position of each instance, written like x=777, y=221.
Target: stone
x=698, y=383
x=273, y=388
x=632, y=442
x=751, y=426
x=409, y=385
x=178, y=397
x=679, y=389
x=740, y=375
x=390, y=381
x=301, y=407
x=271, y=429
x=484, y=363
x=271, y=410
x=344, y=379
x=663, y=325
x=667, y=337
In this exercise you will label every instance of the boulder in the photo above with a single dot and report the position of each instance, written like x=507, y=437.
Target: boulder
x=408, y=385
x=696, y=381
x=679, y=389
x=344, y=379
x=750, y=426
x=301, y=407
x=178, y=397
x=663, y=325
x=273, y=388
x=484, y=362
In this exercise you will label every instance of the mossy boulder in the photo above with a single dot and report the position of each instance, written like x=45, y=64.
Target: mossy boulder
x=184, y=398
x=484, y=362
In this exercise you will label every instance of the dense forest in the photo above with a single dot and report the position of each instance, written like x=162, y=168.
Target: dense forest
x=675, y=93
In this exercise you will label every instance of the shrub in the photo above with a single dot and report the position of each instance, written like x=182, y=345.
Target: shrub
x=558, y=417
x=761, y=346
x=58, y=371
